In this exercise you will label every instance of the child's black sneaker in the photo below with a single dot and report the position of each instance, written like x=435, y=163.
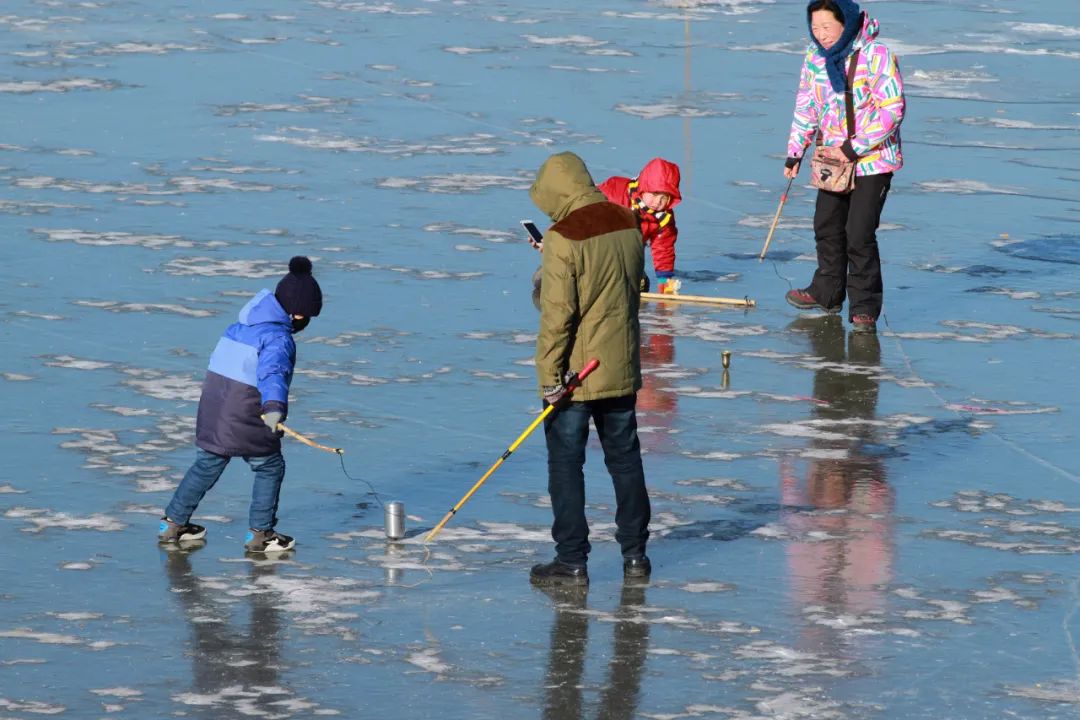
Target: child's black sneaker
x=170, y=532
x=266, y=541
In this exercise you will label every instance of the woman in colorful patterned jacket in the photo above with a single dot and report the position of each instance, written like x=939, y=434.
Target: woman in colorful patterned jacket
x=845, y=225
x=652, y=195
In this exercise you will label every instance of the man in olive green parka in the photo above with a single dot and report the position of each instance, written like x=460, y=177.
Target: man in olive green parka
x=592, y=264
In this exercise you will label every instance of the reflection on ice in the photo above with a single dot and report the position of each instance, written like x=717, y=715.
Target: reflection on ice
x=235, y=669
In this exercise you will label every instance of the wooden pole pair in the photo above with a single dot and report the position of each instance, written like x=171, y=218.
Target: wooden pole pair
x=676, y=297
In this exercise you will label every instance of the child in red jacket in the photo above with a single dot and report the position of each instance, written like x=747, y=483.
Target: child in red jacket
x=652, y=195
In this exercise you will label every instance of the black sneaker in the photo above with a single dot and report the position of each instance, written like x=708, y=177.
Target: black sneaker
x=805, y=301
x=637, y=567
x=267, y=541
x=557, y=572
x=170, y=532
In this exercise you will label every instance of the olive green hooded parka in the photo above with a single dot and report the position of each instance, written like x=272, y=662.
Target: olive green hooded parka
x=593, y=260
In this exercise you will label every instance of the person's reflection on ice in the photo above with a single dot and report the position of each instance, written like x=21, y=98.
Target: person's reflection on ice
x=656, y=403
x=619, y=699
x=563, y=682
x=234, y=670
x=566, y=657
x=843, y=496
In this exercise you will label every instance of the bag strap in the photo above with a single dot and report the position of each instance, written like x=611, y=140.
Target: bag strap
x=849, y=99
x=849, y=95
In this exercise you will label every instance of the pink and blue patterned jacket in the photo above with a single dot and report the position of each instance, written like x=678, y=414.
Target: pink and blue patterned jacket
x=879, y=106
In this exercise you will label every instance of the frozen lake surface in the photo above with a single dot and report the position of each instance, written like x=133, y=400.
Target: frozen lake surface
x=843, y=527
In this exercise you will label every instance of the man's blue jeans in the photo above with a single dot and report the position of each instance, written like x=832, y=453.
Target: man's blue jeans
x=567, y=432
x=204, y=473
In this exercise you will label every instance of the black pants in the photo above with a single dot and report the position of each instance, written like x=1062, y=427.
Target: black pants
x=845, y=228
x=567, y=433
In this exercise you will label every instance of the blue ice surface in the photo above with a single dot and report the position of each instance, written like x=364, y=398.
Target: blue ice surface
x=1054, y=249
x=843, y=527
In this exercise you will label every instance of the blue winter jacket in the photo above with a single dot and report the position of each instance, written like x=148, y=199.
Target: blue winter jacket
x=249, y=374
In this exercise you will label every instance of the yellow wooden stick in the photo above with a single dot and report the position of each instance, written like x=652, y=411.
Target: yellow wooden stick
x=676, y=297
x=521, y=438
x=574, y=382
x=293, y=434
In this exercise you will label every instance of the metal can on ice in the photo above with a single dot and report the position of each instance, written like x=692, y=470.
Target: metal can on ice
x=395, y=520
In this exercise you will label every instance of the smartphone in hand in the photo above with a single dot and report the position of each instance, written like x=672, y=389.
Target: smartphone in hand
x=536, y=238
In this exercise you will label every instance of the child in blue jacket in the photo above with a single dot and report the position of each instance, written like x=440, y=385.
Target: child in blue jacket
x=244, y=397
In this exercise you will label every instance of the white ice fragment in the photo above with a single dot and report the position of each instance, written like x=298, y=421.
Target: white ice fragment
x=706, y=587
x=428, y=661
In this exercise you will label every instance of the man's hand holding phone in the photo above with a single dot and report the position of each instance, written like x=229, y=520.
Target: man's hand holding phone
x=536, y=238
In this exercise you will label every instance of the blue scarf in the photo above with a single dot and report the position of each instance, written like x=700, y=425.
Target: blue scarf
x=837, y=54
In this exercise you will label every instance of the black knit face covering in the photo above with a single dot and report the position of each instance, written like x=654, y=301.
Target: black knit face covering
x=299, y=324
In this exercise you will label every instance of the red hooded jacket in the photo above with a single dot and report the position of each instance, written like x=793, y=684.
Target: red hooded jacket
x=657, y=228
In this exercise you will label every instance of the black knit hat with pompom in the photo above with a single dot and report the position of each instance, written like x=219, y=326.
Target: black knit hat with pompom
x=298, y=292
